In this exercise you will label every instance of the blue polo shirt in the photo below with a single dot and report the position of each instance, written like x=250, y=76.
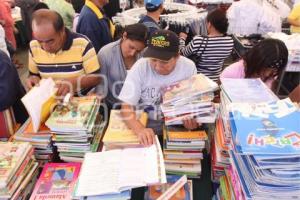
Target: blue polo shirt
x=97, y=30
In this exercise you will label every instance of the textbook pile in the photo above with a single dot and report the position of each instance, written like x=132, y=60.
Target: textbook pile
x=233, y=91
x=183, y=150
x=266, y=154
x=19, y=170
x=189, y=98
x=76, y=128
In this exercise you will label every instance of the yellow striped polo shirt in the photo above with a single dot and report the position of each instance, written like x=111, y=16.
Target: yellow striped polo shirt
x=77, y=57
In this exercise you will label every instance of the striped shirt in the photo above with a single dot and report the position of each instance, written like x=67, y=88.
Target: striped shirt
x=211, y=53
x=77, y=57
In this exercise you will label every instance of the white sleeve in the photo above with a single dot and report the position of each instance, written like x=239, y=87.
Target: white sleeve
x=131, y=90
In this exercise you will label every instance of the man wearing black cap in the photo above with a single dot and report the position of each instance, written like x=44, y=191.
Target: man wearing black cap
x=161, y=66
x=151, y=20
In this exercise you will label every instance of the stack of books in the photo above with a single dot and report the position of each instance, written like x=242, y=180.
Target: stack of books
x=57, y=181
x=119, y=171
x=189, y=98
x=233, y=92
x=118, y=135
x=40, y=140
x=76, y=128
x=265, y=155
x=18, y=170
x=183, y=150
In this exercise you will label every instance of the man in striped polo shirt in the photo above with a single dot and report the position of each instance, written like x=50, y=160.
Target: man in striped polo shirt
x=69, y=58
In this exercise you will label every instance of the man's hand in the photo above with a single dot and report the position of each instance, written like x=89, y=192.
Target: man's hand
x=146, y=136
x=32, y=81
x=64, y=87
x=190, y=124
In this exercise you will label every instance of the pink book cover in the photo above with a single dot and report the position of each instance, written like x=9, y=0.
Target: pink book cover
x=57, y=181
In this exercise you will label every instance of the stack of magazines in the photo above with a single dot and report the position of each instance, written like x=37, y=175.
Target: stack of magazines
x=233, y=92
x=18, y=170
x=265, y=154
x=183, y=150
x=189, y=98
x=76, y=127
x=40, y=140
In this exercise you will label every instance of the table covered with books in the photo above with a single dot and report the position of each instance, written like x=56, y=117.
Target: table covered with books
x=249, y=145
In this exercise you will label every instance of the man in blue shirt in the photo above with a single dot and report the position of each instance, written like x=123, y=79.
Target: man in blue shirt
x=94, y=24
x=151, y=20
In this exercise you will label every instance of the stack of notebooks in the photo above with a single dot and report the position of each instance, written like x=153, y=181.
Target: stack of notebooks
x=189, y=98
x=40, y=140
x=233, y=92
x=57, y=181
x=118, y=135
x=76, y=128
x=114, y=173
x=183, y=150
x=18, y=170
x=265, y=155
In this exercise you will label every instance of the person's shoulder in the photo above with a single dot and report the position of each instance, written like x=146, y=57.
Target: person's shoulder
x=185, y=62
x=110, y=48
x=34, y=44
x=80, y=39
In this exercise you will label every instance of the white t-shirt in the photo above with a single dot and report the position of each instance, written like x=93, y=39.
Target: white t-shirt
x=142, y=86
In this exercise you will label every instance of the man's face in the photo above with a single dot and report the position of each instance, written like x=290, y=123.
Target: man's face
x=163, y=67
x=50, y=40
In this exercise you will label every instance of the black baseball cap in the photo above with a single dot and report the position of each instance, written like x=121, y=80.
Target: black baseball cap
x=162, y=45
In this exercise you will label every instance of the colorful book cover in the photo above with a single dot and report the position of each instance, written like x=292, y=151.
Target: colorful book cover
x=184, y=193
x=271, y=128
x=181, y=133
x=57, y=181
x=197, y=84
x=117, y=130
x=11, y=157
x=75, y=114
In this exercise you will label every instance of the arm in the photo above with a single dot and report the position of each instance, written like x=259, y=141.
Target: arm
x=190, y=49
x=145, y=135
x=294, y=22
x=34, y=77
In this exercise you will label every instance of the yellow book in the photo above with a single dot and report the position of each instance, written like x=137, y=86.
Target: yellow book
x=39, y=102
x=181, y=133
x=118, y=132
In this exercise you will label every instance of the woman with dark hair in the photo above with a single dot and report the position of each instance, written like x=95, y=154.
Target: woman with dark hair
x=210, y=51
x=266, y=60
x=117, y=58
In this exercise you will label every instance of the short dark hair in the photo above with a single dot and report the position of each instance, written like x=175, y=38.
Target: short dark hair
x=219, y=20
x=138, y=32
x=49, y=16
x=268, y=53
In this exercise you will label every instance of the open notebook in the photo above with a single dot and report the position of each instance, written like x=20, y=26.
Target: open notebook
x=39, y=102
x=111, y=172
